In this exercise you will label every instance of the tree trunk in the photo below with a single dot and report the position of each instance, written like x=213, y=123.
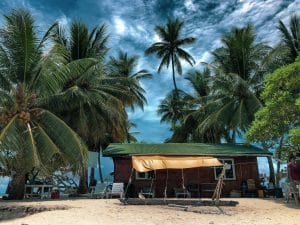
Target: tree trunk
x=271, y=168
x=99, y=165
x=279, y=152
x=83, y=182
x=173, y=75
x=16, y=187
x=92, y=177
x=233, y=137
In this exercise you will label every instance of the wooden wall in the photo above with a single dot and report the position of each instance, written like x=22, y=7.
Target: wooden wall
x=245, y=168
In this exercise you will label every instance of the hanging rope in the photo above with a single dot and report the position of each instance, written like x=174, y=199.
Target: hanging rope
x=151, y=185
x=166, y=184
x=129, y=182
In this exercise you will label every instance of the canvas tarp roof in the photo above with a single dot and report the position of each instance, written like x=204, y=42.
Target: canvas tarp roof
x=145, y=163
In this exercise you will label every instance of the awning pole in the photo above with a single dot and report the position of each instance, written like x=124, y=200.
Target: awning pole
x=129, y=182
x=166, y=187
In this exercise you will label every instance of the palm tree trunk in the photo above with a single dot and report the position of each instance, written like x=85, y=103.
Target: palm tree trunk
x=99, y=166
x=233, y=137
x=16, y=187
x=173, y=75
x=92, y=177
x=83, y=182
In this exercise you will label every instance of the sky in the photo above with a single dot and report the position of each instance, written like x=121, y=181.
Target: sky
x=131, y=27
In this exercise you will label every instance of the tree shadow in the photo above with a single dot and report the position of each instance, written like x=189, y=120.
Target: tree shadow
x=14, y=211
x=291, y=204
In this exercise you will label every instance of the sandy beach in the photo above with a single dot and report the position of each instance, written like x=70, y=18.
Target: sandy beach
x=111, y=211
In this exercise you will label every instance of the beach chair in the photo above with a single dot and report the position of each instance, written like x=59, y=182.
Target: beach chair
x=99, y=191
x=148, y=192
x=182, y=192
x=116, y=190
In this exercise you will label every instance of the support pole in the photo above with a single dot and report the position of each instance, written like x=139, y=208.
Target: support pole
x=217, y=193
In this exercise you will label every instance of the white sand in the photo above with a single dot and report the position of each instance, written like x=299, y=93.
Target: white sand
x=109, y=212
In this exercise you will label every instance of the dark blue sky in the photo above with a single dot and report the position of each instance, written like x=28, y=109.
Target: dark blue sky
x=131, y=25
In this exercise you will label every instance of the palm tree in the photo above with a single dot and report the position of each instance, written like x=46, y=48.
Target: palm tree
x=82, y=43
x=237, y=81
x=291, y=37
x=174, y=108
x=124, y=67
x=97, y=98
x=31, y=135
x=169, y=49
x=130, y=136
x=197, y=109
x=98, y=95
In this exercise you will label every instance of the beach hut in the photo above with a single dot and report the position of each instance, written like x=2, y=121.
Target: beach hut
x=200, y=180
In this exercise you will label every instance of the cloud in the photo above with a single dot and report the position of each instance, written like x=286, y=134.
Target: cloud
x=119, y=25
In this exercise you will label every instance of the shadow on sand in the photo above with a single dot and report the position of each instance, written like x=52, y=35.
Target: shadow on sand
x=13, y=210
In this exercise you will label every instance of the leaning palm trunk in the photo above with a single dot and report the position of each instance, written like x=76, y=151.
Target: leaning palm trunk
x=83, y=181
x=16, y=187
x=99, y=166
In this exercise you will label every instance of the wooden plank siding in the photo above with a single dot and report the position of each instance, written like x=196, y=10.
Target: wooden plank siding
x=245, y=168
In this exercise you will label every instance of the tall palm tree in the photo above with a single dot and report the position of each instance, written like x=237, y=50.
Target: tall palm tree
x=99, y=95
x=291, y=37
x=31, y=135
x=169, y=49
x=196, y=111
x=97, y=98
x=237, y=81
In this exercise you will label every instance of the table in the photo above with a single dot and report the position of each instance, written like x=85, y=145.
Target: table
x=38, y=190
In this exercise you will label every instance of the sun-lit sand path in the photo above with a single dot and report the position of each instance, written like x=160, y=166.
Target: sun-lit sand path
x=102, y=211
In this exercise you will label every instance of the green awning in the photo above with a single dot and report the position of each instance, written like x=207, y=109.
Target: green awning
x=184, y=149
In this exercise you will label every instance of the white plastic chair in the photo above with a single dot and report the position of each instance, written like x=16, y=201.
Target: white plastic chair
x=117, y=189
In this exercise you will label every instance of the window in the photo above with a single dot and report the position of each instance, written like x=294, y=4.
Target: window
x=145, y=176
x=230, y=170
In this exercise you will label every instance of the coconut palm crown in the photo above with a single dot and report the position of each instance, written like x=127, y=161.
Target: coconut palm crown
x=169, y=48
x=31, y=135
x=291, y=36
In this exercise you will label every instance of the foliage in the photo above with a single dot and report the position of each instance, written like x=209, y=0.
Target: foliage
x=226, y=94
x=281, y=113
x=174, y=107
x=31, y=134
x=291, y=37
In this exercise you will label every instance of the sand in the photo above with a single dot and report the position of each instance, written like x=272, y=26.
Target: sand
x=111, y=211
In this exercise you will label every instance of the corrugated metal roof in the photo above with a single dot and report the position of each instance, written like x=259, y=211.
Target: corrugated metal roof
x=184, y=149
